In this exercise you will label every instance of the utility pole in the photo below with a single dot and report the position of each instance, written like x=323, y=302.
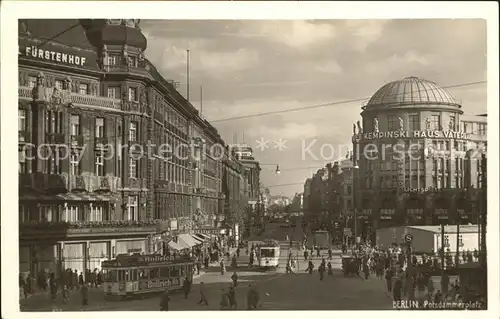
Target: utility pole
x=484, y=210
x=187, y=72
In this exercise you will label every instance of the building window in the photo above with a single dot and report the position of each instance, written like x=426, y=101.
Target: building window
x=481, y=129
x=48, y=213
x=414, y=122
x=21, y=119
x=132, y=168
x=132, y=132
x=83, y=88
x=132, y=208
x=349, y=190
x=99, y=163
x=59, y=84
x=392, y=123
x=23, y=165
x=435, y=122
x=24, y=215
x=74, y=162
x=72, y=214
x=75, y=125
x=132, y=94
x=31, y=81
x=111, y=60
x=99, y=127
x=452, y=123
x=113, y=92
x=95, y=213
x=54, y=161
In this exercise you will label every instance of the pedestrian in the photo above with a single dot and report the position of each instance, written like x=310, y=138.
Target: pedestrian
x=203, y=299
x=224, y=302
x=310, y=267
x=388, y=279
x=252, y=298
x=398, y=286
x=238, y=252
x=80, y=279
x=186, y=287
x=330, y=270
x=164, y=301
x=234, y=278
x=232, y=298
x=84, y=291
x=330, y=254
x=321, y=271
x=65, y=294
x=53, y=286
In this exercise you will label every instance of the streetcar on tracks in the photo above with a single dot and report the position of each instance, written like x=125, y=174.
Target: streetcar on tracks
x=269, y=254
x=134, y=275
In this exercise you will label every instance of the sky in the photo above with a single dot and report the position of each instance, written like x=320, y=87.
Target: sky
x=250, y=67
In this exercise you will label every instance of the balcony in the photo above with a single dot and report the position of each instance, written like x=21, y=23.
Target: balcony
x=77, y=141
x=161, y=184
x=55, y=138
x=76, y=99
x=37, y=230
x=92, y=183
x=137, y=183
x=42, y=181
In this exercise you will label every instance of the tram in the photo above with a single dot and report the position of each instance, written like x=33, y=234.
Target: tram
x=130, y=275
x=269, y=255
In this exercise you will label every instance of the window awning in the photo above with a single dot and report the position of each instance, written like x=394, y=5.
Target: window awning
x=176, y=246
x=187, y=239
x=198, y=237
x=204, y=236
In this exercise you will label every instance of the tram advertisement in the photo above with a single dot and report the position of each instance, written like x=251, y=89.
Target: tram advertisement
x=159, y=283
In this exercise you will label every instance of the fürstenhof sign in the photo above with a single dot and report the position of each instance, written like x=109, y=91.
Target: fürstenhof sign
x=35, y=52
x=416, y=134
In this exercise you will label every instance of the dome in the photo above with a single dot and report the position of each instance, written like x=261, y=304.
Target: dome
x=411, y=90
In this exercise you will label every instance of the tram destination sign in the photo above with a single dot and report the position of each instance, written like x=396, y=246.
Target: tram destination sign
x=416, y=134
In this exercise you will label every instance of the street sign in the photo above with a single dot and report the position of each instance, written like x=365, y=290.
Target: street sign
x=347, y=232
x=408, y=238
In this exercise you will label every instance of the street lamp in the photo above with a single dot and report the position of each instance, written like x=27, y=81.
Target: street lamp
x=277, y=171
x=354, y=200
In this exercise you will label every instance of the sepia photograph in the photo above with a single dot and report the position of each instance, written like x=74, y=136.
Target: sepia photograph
x=303, y=164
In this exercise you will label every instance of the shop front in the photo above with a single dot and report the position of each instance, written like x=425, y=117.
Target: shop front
x=130, y=246
x=414, y=209
x=440, y=212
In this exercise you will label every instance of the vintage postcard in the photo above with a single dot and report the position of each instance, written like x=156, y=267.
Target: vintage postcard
x=303, y=163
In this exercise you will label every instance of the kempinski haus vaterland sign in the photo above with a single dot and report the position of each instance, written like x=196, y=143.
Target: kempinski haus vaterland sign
x=416, y=134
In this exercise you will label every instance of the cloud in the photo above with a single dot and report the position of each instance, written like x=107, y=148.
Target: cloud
x=331, y=67
x=298, y=34
x=365, y=32
x=227, y=61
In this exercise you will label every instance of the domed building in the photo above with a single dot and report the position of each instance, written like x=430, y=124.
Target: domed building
x=418, y=157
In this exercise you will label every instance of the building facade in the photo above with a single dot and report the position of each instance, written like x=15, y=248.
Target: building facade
x=324, y=199
x=235, y=199
x=110, y=154
x=254, y=210
x=419, y=157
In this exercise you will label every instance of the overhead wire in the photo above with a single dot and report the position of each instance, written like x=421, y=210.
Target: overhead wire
x=340, y=102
